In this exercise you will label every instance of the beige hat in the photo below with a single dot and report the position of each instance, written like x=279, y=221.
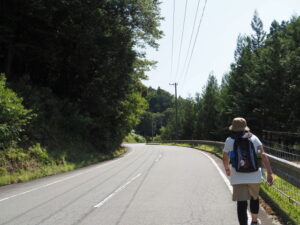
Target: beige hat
x=239, y=124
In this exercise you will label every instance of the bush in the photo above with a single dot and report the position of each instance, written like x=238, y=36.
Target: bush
x=13, y=159
x=16, y=155
x=16, y=160
x=132, y=137
x=39, y=154
x=3, y=171
x=157, y=138
x=13, y=116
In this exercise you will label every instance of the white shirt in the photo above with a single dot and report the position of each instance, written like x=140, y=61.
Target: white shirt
x=244, y=178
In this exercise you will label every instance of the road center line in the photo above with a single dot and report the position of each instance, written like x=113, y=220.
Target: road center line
x=158, y=158
x=116, y=191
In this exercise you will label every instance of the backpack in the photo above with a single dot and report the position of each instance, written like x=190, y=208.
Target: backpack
x=243, y=157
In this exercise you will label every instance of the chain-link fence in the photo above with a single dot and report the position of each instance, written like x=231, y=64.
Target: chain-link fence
x=288, y=191
x=284, y=145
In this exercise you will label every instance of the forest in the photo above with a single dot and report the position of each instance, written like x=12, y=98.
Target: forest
x=262, y=86
x=70, y=87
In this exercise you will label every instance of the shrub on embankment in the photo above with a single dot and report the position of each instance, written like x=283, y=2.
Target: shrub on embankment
x=13, y=116
x=21, y=158
x=18, y=165
x=132, y=137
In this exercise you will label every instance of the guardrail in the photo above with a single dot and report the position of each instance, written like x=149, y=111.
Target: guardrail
x=288, y=171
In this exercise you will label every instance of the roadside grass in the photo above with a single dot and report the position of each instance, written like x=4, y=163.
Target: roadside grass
x=211, y=149
x=30, y=167
x=286, y=187
x=285, y=209
x=25, y=175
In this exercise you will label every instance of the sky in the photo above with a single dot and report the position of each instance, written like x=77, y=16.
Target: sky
x=222, y=22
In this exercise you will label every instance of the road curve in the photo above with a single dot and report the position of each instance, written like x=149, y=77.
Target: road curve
x=150, y=185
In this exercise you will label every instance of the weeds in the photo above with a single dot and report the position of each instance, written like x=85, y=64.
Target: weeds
x=18, y=165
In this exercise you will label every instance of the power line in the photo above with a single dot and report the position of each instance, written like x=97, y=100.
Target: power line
x=200, y=22
x=182, y=31
x=172, y=52
x=191, y=38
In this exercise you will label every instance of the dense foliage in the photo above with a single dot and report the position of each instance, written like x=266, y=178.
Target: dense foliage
x=133, y=137
x=14, y=116
x=78, y=66
x=158, y=114
x=262, y=86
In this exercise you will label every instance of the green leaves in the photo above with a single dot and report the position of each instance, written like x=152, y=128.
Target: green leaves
x=160, y=103
x=13, y=116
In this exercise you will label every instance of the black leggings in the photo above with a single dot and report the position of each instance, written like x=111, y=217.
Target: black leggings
x=242, y=210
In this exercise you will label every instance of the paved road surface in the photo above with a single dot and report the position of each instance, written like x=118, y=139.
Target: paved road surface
x=150, y=185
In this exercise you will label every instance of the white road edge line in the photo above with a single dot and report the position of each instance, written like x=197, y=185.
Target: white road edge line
x=55, y=182
x=226, y=180
x=116, y=191
x=40, y=187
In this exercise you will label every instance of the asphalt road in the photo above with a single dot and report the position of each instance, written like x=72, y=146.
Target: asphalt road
x=150, y=185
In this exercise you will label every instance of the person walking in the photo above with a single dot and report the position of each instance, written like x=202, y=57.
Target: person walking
x=240, y=159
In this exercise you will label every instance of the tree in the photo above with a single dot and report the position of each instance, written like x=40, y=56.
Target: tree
x=208, y=114
x=259, y=34
x=87, y=57
x=158, y=114
x=187, y=116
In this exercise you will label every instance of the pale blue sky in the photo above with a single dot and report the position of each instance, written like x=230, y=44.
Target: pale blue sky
x=223, y=21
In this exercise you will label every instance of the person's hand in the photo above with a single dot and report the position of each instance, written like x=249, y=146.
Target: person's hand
x=228, y=173
x=270, y=179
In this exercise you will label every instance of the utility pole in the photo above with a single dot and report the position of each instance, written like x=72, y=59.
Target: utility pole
x=152, y=125
x=176, y=108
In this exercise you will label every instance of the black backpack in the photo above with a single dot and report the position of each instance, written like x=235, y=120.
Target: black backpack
x=244, y=158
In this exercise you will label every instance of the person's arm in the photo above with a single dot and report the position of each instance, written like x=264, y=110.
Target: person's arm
x=226, y=163
x=266, y=163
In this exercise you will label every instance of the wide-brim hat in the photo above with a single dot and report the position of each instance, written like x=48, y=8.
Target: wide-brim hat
x=239, y=124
